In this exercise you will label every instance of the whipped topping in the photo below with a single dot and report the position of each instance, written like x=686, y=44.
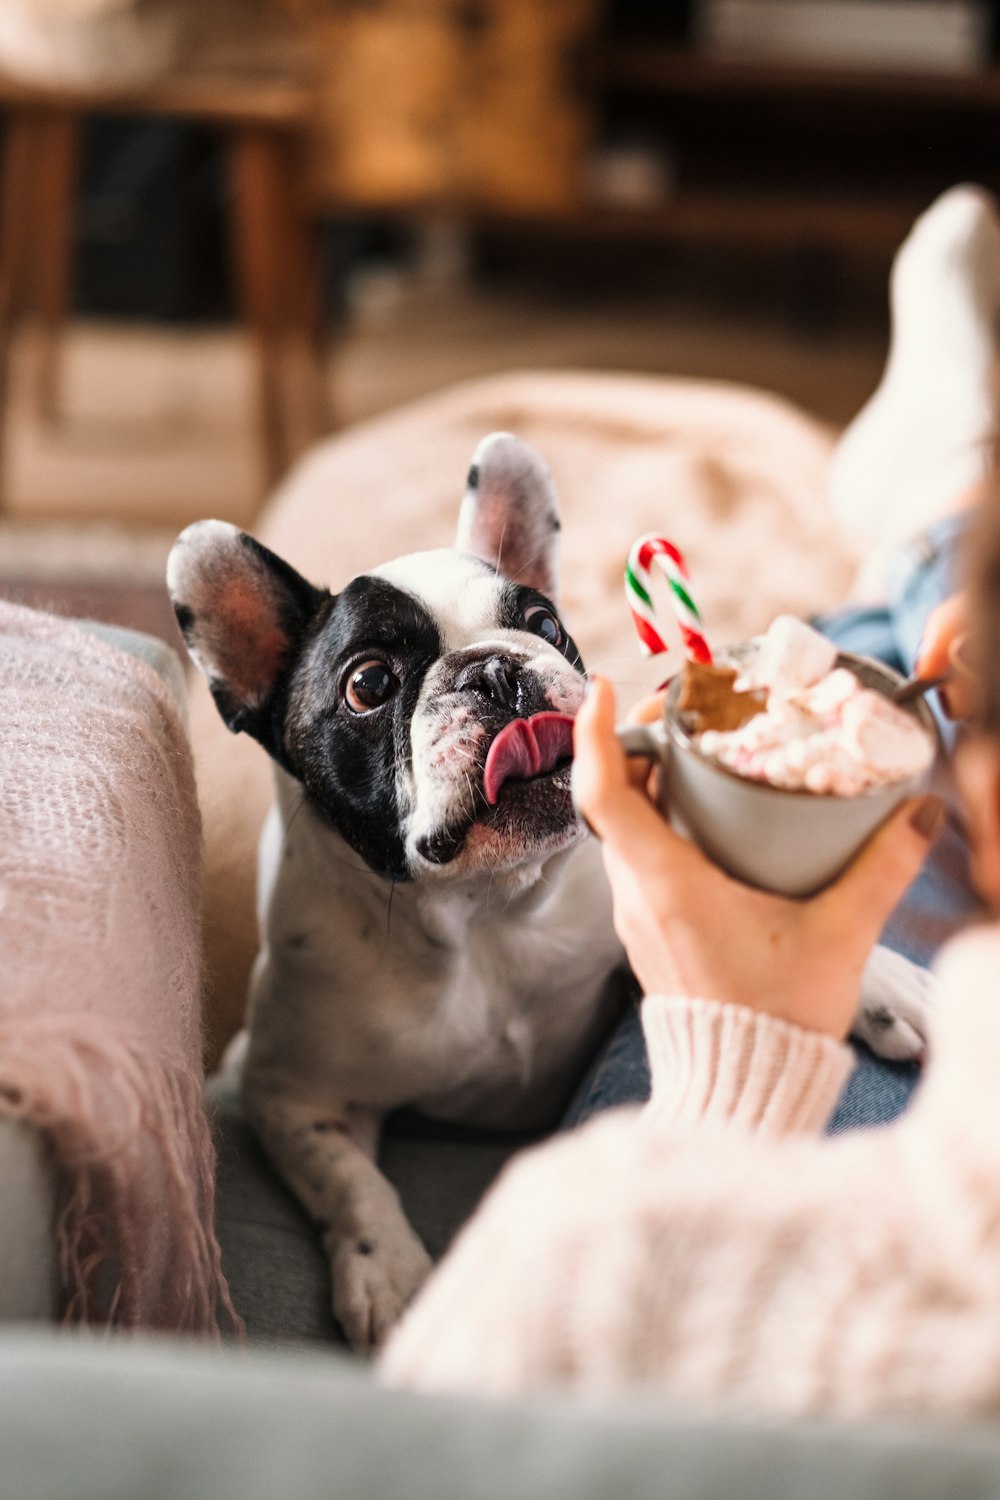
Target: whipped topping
x=822, y=731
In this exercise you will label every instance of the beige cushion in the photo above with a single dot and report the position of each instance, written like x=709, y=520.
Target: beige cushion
x=734, y=476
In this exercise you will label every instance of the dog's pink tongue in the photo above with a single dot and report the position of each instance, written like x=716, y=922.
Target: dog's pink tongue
x=525, y=748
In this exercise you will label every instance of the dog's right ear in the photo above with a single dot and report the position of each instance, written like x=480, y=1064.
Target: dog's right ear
x=243, y=613
x=510, y=515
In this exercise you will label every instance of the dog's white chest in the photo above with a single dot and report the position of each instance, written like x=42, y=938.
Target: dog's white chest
x=476, y=1005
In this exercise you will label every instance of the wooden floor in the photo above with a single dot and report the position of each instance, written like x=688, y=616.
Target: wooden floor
x=156, y=428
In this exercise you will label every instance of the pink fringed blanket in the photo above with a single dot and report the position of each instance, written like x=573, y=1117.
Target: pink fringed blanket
x=100, y=865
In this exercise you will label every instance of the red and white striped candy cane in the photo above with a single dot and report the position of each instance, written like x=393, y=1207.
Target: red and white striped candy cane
x=638, y=579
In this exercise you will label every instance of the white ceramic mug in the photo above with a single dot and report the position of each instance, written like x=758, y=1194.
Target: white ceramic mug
x=790, y=842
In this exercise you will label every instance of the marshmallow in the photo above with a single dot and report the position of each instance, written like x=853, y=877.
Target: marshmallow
x=826, y=733
x=791, y=656
x=881, y=738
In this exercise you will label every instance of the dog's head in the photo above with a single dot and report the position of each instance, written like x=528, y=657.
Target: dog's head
x=427, y=708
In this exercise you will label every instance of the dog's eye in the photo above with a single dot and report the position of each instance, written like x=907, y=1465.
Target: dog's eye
x=369, y=686
x=544, y=623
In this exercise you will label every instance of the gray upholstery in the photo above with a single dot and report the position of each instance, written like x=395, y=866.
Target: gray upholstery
x=27, y=1244
x=271, y=1253
x=118, y=1419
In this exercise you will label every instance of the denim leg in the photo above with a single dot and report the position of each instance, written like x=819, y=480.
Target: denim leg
x=939, y=902
x=919, y=577
x=619, y=1075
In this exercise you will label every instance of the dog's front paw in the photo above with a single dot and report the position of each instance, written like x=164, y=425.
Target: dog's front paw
x=374, y=1279
x=895, y=1007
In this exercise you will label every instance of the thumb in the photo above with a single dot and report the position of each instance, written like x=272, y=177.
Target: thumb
x=615, y=807
x=859, y=902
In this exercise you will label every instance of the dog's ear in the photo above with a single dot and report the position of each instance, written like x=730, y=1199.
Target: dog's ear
x=243, y=613
x=510, y=516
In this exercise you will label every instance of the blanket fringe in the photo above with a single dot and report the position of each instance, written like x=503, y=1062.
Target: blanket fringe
x=135, y=1175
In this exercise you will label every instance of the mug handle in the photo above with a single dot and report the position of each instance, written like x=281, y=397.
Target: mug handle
x=647, y=740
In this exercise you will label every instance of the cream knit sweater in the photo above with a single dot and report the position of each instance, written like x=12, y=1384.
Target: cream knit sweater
x=710, y=1247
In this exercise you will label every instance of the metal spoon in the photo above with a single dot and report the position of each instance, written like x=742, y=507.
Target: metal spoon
x=915, y=687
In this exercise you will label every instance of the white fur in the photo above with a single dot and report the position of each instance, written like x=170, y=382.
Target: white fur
x=476, y=996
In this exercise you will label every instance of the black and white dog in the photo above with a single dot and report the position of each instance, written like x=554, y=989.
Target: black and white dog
x=436, y=927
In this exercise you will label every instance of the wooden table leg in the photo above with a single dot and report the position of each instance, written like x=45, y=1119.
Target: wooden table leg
x=59, y=141
x=276, y=261
x=18, y=171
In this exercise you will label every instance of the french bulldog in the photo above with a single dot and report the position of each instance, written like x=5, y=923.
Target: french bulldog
x=436, y=928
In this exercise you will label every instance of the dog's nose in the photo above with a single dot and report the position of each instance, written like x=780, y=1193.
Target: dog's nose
x=497, y=678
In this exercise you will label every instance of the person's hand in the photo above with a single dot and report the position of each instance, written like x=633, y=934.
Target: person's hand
x=941, y=650
x=689, y=929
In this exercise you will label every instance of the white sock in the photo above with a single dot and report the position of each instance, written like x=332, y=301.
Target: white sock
x=928, y=433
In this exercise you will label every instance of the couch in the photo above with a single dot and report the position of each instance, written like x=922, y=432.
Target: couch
x=736, y=476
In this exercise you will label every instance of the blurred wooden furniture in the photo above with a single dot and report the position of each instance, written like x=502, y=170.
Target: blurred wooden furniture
x=492, y=108
x=792, y=154
x=453, y=105
x=260, y=103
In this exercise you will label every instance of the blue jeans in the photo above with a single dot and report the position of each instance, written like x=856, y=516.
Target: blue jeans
x=939, y=902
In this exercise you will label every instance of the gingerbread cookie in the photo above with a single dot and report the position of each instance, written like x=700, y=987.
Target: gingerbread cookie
x=708, y=698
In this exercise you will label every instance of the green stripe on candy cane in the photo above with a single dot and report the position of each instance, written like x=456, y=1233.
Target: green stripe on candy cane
x=644, y=552
x=633, y=583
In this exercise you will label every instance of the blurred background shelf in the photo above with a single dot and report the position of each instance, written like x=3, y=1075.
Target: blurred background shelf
x=735, y=217
x=797, y=152
x=685, y=70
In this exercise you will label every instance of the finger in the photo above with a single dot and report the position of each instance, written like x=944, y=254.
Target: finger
x=647, y=710
x=959, y=695
x=601, y=769
x=637, y=768
x=640, y=768
x=618, y=810
x=942, y=627
x=857, y=905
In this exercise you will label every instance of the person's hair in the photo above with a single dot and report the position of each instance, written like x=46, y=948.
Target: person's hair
x=982, y=562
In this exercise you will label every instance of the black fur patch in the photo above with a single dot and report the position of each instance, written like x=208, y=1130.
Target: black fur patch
x=185, y=620
x=348, y=762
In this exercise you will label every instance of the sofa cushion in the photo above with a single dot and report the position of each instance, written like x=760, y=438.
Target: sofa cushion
x=27, y=1238
x=119, y=1419
x=271, y=1253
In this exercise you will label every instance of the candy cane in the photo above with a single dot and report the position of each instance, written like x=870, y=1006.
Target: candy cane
x=656, y=549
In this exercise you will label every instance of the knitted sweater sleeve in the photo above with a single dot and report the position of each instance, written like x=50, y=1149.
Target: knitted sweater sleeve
x=755, y=1268
x=717, y=1063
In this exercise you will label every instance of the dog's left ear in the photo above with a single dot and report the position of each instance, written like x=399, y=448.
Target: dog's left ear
x=244, y=613
x=510, y=516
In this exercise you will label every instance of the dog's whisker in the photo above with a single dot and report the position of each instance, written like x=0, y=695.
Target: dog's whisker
x=496, y=565
x=349, y=864
x=609, y=664
x=529, y=562
x=301, y=805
